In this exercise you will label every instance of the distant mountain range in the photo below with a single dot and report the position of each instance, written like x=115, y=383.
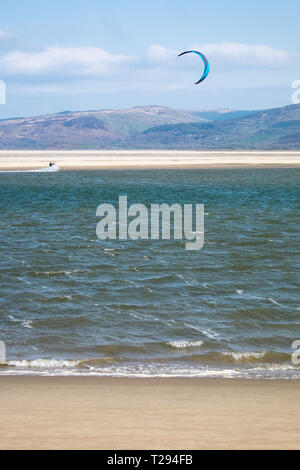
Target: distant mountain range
x=155, y=127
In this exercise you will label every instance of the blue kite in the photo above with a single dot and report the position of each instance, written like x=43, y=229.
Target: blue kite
x=205, y=61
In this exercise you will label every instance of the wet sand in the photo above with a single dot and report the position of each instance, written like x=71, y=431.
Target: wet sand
x=165, y=413
x=146, y=159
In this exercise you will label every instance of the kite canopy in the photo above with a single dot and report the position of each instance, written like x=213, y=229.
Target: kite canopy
x=205, y=61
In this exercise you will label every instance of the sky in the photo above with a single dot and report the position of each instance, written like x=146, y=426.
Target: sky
x=63, y=55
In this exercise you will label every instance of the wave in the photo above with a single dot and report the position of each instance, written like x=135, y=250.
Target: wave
x=129, y=353
x=48, y=169
x=43, y=364
x=245, y=355
x=108, y=367
x=55, y=273
x=208, y=332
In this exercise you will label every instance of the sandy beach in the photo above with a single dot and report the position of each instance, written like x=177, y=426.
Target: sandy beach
x=128, y=413
x=146, y=159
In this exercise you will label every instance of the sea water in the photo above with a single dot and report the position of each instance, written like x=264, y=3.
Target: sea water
x=73, y=304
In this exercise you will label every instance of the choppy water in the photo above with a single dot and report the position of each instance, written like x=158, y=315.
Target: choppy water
x=72, y=304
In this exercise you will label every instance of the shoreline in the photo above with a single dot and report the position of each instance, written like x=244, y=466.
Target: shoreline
x=139, y=413
x=16, y=160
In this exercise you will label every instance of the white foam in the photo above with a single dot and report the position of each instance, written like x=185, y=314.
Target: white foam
x=23, y=280
x=51, y=273
x=274, y=302
x=185, y=344
x=27, y=324
x=68, y=368
x=208, y=332
x=43, y=364
x=48, y=169
x=245, y=355
x=12, y=318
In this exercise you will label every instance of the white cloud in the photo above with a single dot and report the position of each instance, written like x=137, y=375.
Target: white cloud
x=62, y=60
x=231, y=53
x=156, y=53
x=94, y=61
x=248, y=54
x=4, y=35
x=37, y=89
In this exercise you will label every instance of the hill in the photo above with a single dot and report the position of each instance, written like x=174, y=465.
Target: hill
x=155, y=127
x=268, y=129
x=89, y=129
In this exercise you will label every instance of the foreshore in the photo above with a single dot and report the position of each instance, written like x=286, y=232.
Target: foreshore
x=148, y=413
x=146, y=159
